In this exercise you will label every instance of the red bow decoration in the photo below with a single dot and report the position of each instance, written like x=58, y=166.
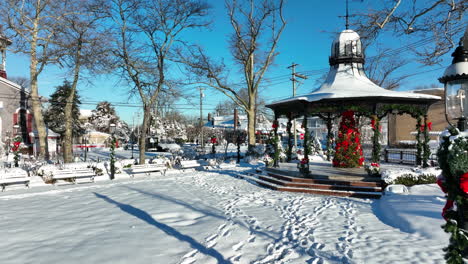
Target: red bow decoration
x=16, y=145
x=214, y=140
x=464, y=182
x=429, y=127
x=449, y=204
x=447, y=207
x=275, y=124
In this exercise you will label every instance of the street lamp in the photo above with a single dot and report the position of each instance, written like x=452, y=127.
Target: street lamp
x=452, y=153
x=112, y=151
x=16, y=143
x=85, y=141
x=455, y=80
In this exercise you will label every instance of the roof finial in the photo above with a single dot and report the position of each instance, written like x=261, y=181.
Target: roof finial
x=347, y=15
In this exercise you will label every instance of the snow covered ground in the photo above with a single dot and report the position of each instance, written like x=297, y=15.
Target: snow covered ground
x=213, y=217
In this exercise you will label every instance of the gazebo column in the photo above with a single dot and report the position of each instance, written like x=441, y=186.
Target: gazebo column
x=276, y=142
x=426, y=148
x=376, y=147
x=419, y=145
x=329, y=137
x=290, y=142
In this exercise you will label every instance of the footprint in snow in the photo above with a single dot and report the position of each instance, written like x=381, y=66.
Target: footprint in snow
x=208, y=239
x=190, y=254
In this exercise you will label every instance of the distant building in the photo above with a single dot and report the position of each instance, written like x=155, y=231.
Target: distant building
x=14, y=104
x=402, y=128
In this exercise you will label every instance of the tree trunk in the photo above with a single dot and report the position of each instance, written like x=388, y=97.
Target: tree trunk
x=144, y=128
x=43, y=153
x=68, y=137
x=251, y=128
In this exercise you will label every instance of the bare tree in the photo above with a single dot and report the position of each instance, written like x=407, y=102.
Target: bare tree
x=382, y=69
x=83, y=45
x=147, y=33
x=257, y=27
x=21, y=81
x=33, y=27
x=434, y=23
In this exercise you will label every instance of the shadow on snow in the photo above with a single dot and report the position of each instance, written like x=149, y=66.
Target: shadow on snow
x=138, y=213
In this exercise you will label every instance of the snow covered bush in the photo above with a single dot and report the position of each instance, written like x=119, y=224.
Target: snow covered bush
x=315, y=147
x=372, y=169
x=268, y=160
x=410, y=177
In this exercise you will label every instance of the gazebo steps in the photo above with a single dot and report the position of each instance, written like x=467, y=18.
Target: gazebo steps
x=340, y=181
x=321, y=189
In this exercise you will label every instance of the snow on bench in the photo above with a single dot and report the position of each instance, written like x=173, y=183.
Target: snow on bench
x=147, y=169
x=12, y=178
x=73, y=174
x=189, y=164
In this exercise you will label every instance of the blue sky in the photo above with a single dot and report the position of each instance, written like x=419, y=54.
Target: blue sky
x=312, y=25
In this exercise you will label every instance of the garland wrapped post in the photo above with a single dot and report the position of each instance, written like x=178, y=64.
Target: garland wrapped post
x=426, y=149
x=330, y=138
x=15, y=149
x=419, y=145
x=305, y=169
x=453, y=160
x=348, y=150
x=376, y=147
x=290, y=143
x=275, y=143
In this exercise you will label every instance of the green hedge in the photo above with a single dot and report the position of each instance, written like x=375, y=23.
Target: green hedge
x=411, y=179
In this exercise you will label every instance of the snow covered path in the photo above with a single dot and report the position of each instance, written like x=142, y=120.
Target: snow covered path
x=199, y=217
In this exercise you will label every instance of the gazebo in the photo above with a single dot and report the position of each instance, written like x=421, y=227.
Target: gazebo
x=348, y=89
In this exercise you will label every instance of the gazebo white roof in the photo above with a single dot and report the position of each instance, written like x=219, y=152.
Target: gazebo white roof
x=347, y=80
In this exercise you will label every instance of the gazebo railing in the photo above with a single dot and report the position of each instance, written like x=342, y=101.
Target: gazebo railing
x=400, y=156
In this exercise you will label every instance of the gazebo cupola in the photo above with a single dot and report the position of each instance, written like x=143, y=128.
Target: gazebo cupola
x=347, y=49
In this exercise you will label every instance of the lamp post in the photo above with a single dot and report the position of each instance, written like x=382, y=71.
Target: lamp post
x=85, y=139
x=452, y=153
x=8, y=142
x=16, y=142
x=132, y=136
x=112, y=151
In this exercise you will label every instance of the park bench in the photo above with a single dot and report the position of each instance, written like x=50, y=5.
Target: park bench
x=14, y=178
x=146, y=168
x=72, y=175
x=189, y=164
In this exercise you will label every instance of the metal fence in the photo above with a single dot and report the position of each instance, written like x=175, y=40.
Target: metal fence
x=400, y=156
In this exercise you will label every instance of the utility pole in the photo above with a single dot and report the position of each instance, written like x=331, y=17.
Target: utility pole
x=201, y=118
x=294, y=80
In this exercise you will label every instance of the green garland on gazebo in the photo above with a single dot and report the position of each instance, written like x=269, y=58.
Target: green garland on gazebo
x=376, y=147
x=348, y=149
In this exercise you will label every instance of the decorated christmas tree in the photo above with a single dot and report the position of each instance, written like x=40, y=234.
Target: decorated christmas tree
x=348, y=150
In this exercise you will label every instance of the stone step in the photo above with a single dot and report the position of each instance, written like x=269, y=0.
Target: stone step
x=371, y=183
x=359, y=194
x=328, y=186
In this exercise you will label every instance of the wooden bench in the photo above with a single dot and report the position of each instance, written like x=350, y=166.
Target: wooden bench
x=13, y=178
x=147, y=169
x=74, y=174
